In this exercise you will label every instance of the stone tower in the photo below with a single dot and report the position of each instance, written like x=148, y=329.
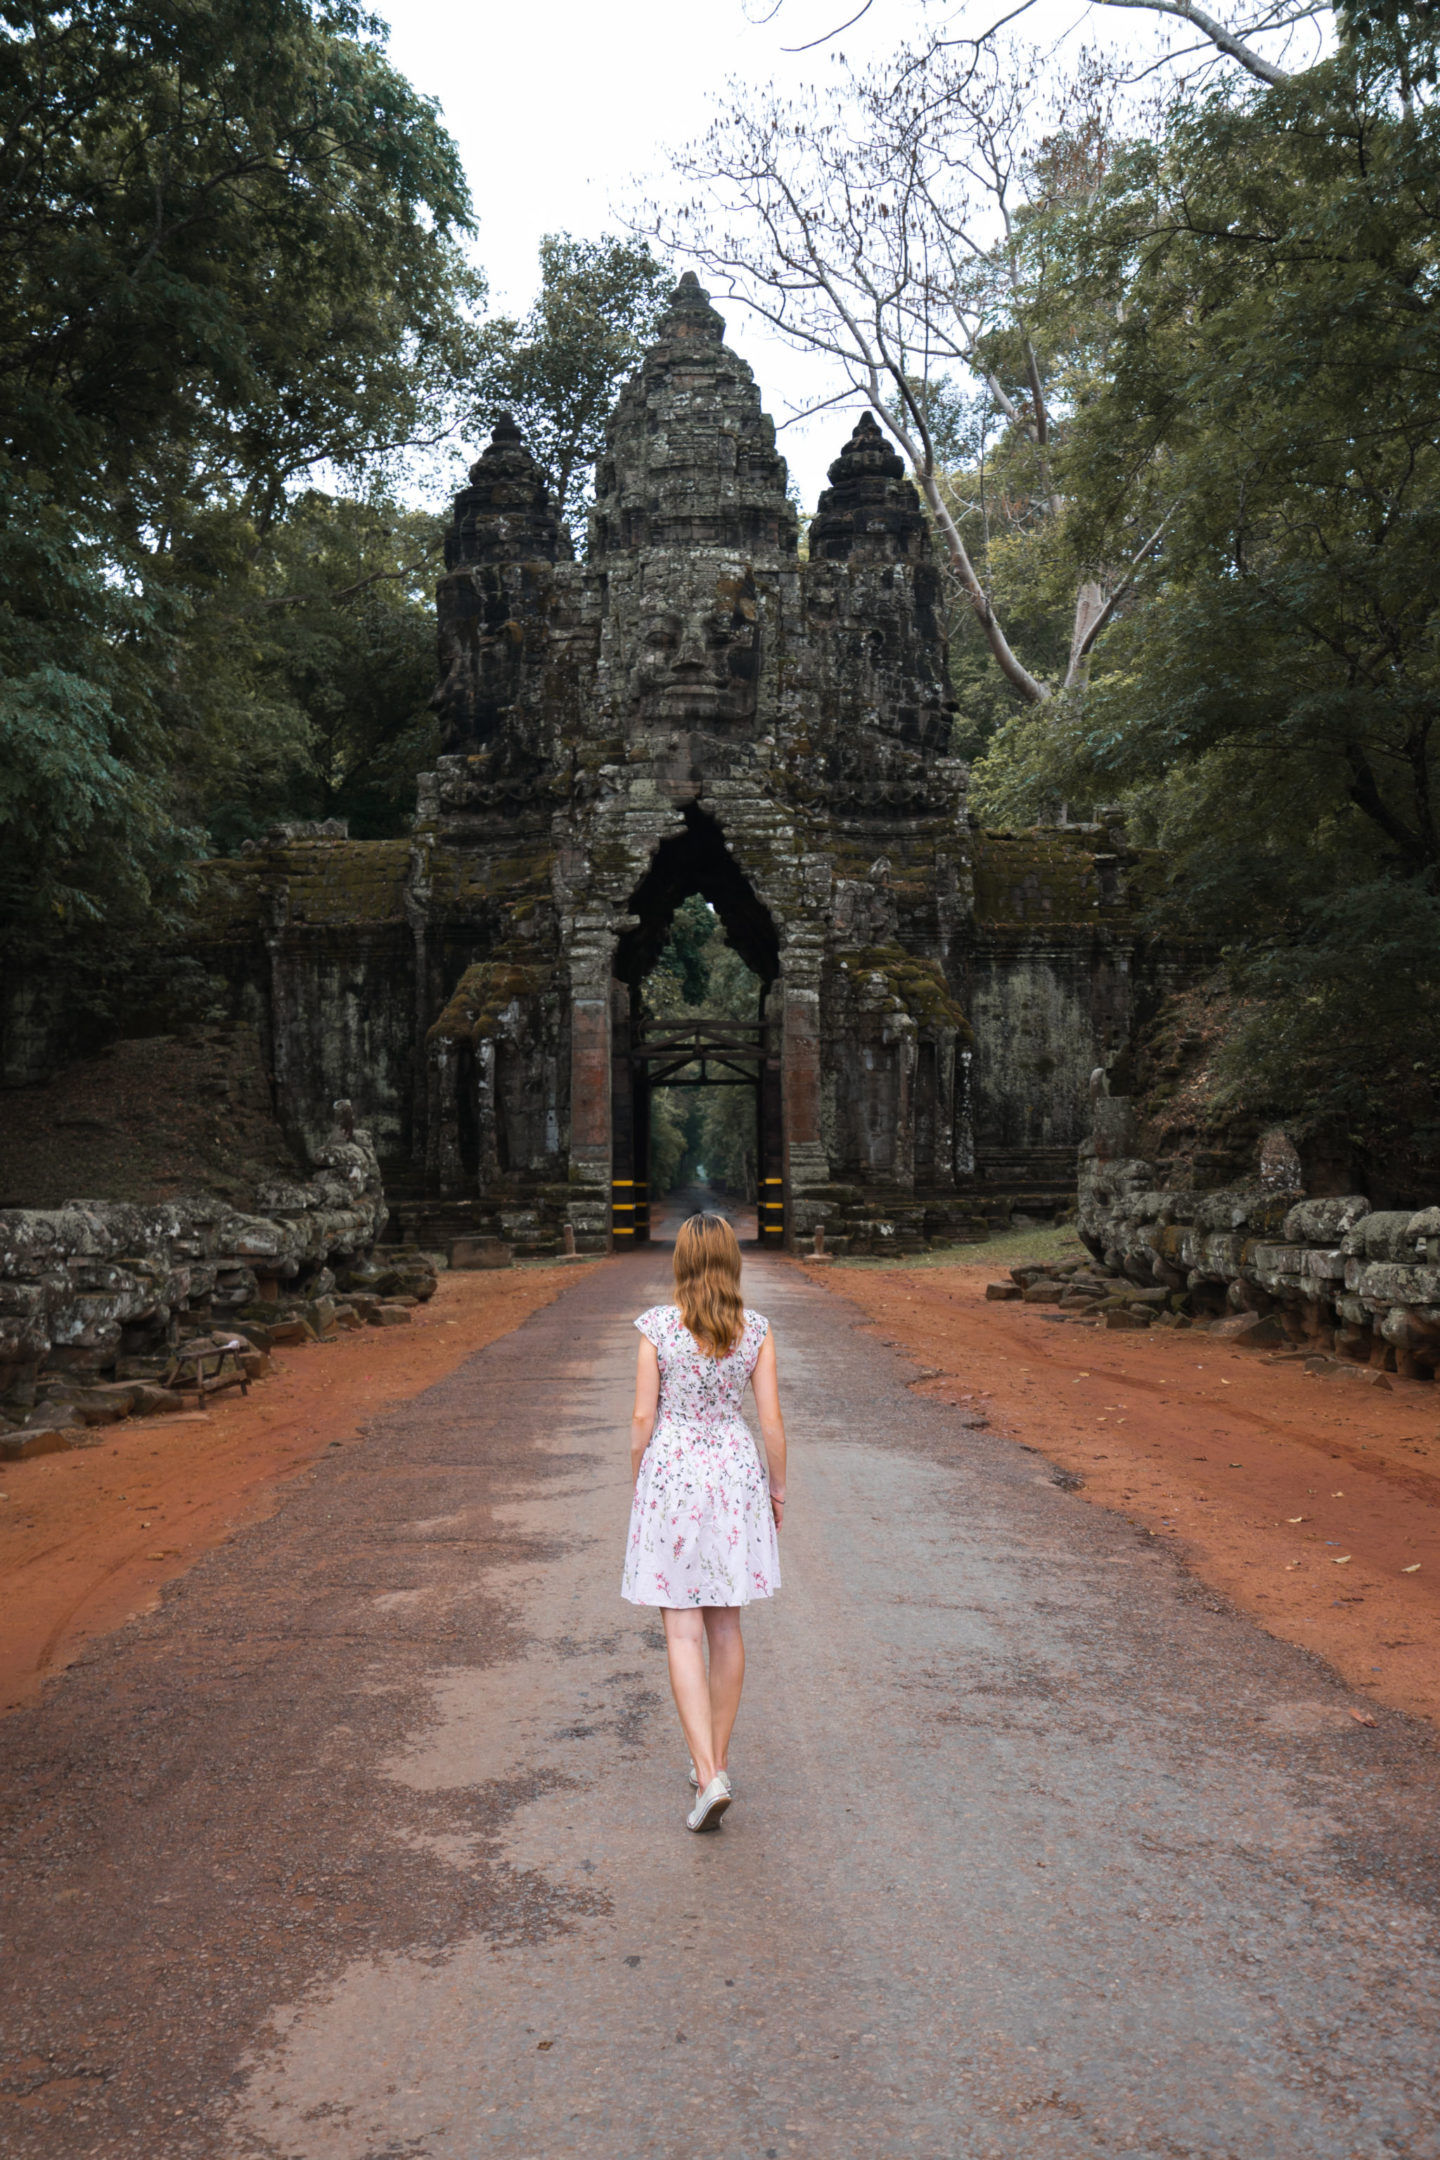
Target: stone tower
x=695, y=708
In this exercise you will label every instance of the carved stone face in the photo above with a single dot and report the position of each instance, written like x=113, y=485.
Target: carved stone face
x=697, y=660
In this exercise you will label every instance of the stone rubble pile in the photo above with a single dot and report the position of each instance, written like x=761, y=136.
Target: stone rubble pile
x=109, y=1310
x=1350, y=1289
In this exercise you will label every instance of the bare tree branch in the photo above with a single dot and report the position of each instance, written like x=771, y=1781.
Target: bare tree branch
x=1088, y=631
x=1223, y=40
x=885, y=231
x=1233, y=44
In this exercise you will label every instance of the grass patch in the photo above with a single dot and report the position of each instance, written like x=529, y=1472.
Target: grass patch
x=1047, y=1242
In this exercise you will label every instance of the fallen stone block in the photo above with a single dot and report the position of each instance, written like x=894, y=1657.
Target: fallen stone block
x=257, y=1365
x=1252, y=1331
x=1004, y=1293
x=156, y=1401
x=388, y=1315
x=288, y=1334
x=1041, y=1293
x=258, y=1334
x=346, y=1317
x=400, y=1270
x=31, y=1441
x=1325, y=1368
x=1120, y=1316
x=481, y=1252
x=141, y=1368
x=104, y=1405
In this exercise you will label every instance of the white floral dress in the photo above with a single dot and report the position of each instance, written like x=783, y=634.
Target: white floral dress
x=701, y=1528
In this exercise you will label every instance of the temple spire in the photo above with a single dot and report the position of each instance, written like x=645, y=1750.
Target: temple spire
x=506, y=514
x=690, y=458
x=870, y=512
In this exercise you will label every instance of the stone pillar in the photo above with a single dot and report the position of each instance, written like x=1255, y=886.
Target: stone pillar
x=590, y=1079
x=426, y=987
x=486, y=1055
x=945, y=1107
x=902, y=1164
x=627, y=1171
x=806, y=1162
x=964, y=1116
x=444, y=1167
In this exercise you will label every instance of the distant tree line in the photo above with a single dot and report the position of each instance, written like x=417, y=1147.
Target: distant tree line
x=698, y=1130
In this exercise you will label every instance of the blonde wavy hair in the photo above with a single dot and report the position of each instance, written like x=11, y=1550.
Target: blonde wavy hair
x=707, y=1283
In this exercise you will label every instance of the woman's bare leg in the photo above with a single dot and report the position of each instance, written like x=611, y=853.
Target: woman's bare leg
x=685, y=1649
x=727, y=1675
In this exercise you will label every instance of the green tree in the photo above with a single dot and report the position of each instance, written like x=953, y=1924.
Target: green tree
x=304, y=673
x=231, y=236
x=599, y=306
x=700, y=975
x=1269, y=709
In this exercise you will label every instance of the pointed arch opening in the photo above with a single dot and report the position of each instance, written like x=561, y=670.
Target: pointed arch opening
x=695, y=1051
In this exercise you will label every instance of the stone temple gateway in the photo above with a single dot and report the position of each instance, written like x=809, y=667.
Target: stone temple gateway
x=694, y=709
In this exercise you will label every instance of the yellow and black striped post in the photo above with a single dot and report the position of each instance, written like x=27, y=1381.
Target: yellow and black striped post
x=772, y=1211
x=622, y=1208
x=642, y=1211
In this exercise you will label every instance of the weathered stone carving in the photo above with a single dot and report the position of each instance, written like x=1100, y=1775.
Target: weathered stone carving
x=95, y=1295
x=1263, y=1263
x=695, y=707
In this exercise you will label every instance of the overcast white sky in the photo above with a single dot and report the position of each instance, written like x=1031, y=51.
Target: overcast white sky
x=560, y=107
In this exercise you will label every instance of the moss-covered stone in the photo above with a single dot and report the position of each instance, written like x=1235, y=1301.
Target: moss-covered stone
x=917, y=985
x=484, y=992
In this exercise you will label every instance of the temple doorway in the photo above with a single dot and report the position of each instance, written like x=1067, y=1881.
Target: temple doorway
x=696, y=1058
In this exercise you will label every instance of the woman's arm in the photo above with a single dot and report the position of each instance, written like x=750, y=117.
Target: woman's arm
x=647, y=1402
x=766, y=1383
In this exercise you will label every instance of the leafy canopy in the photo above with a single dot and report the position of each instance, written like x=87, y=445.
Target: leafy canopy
x=1268, y=703
x=231, y=237
x=558, y=371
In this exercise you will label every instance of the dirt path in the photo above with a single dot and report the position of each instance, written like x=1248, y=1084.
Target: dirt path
x=1217, y=1451
x=88, y=1539
x=368, y=1840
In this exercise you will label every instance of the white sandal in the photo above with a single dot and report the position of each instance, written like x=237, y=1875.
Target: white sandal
x=711, y=1805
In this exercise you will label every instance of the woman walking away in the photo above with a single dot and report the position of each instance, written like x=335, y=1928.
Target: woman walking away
x=705, y=1516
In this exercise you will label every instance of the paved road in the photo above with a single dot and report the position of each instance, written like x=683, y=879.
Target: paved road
x=368, y=1846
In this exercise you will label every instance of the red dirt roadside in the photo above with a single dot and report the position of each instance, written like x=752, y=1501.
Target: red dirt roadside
x=88, y=1538
x=1215, y=1450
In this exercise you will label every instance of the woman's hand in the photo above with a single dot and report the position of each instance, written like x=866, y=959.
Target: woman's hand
x=766, y=1385
x=647, y=1404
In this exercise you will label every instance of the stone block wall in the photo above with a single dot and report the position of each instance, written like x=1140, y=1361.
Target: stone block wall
x=1265, y=1263
x=99, y=1293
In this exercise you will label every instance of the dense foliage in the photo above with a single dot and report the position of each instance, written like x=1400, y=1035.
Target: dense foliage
x=1267, y=703
x=696, y=1131
x=230, y=235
